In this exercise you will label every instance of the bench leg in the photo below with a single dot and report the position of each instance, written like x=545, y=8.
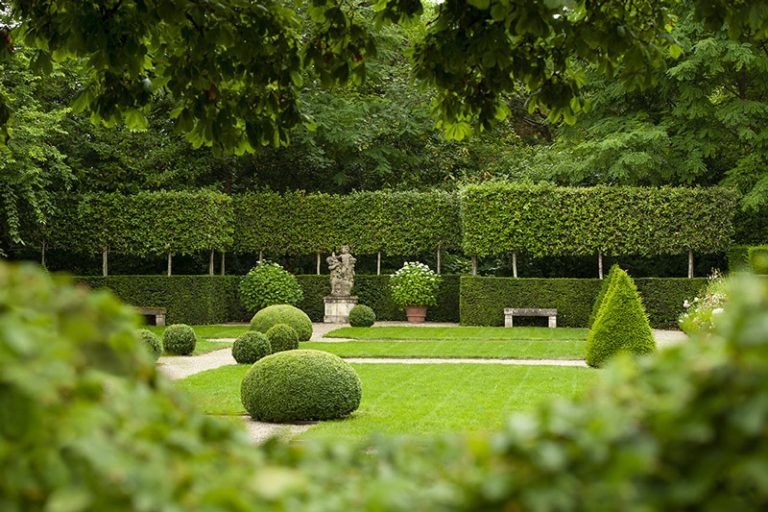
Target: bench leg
x=508, y=321
x=160, y=320
x=552, y=322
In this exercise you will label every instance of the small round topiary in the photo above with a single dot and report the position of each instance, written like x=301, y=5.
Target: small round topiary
x=179, y=339
x=250, y=347
x=361, y=316
x=282, y=337
x=300, y=385
x=152, y=342
x=283, y=314
x=267, y=284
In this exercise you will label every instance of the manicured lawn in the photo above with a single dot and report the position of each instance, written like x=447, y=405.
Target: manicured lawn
x=494, y=349
x=203, y=346
x=208, y=331
x=418, y=399
x=458, y=333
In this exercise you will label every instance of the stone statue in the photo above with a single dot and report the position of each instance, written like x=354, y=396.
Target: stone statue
x=342, y=268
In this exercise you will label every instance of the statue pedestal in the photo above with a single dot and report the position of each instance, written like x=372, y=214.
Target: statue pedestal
x=337, y=309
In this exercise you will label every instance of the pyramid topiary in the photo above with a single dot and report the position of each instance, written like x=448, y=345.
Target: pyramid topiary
x=621, y=323
x=605, y=285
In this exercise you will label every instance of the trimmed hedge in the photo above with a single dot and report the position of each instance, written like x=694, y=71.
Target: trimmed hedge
x=545, y=220
x=300, y=385
x=151, y=341
x=188, y=299
x=604, y=287
x=483, y=299
x=362, y=316
x=748, y=258
x=179, y=339
x=282, y=337
x=251, y=346
x=270, y=316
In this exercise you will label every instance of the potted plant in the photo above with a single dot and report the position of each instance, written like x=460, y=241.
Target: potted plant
x=414, y=287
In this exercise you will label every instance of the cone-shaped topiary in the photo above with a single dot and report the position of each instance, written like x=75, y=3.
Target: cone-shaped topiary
x=179, y=339
x=361, y=316
x=283, y=314
x=250, y=347
x=282, y=337
x=152, y=342
x=300, y=385
x=621, y=323
x=609, y=279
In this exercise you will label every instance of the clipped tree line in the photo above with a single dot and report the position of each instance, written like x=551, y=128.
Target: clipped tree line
x=545, y=220
x=483, y=220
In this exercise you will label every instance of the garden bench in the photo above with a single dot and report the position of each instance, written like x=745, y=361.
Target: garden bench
x=510, y=313
x=158, y=313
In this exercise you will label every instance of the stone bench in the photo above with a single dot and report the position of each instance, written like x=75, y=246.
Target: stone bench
x=510, y=313
x=158, y=313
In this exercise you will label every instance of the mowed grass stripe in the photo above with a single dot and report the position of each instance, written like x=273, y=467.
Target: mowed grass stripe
x=494, y=349
x=415, y=399
x=208, y=331
x=458, y=333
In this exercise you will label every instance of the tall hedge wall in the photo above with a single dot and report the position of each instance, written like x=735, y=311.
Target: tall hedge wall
x=483, y=299
x=391, y=222
x=214, y=299
x=546, y=221
x=745, y=258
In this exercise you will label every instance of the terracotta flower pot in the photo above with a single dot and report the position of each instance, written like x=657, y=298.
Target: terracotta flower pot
x=416, y=314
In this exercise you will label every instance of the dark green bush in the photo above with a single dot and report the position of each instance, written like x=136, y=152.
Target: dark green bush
x=282, y=337
x=151, y=341
x=267, y=284
x=748, y=258
x=251, y=346
x=483, y=299
x=621, y=323
x=604, y=285
x=361, y=316
x=179, y=339
x=283, y=314
x=300, y=385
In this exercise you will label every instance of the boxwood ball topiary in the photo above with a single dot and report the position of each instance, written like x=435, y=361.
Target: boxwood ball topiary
x=361, y=316
x=152, y=342
x=179, y=339
x=283, y=314
x=282, y=337
x=250, y=347
x=300, y=385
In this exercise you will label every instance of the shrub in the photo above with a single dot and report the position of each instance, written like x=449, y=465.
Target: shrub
x=606, y=283
x=152, y=342
x=267, y=284
x=283, y=314
x=250, y=347
x=414, y=285
x=300, y=385
x=282, y=337
x=361, y=316
x=179, y=339
x=702, y=312
x=621, y=323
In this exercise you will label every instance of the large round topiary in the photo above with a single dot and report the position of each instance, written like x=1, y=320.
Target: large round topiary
x=152, y=342
x=361, y=316
x=250, y=347
x=267, y=284
x=179, y=339
x=283, y=314
x=300, y=385
x=282, y=337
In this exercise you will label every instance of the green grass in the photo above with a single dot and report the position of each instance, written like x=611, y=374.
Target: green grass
x=208, y=331
x=416, y=399
x=203, y=346
x=493, y=349
x=458, y=333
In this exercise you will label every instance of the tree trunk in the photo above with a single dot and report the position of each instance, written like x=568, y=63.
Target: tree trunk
x=690, y=264
x=222, y=262
x=378, y=263
x=318, y=263
x=261, y=256
x=170, y=263
x=42, y=254
x=104, y=262
x=600, y=264
x=514, y=264
x=474, y=265
x=210, y=264
x=438, y=260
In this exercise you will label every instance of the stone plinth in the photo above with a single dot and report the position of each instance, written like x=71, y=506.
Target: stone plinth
x=337, y=309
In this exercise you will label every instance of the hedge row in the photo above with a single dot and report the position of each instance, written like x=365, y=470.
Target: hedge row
x=745, y=257
x=544, y=220
x=213, y=299
x=390, y=222
x=483, y=299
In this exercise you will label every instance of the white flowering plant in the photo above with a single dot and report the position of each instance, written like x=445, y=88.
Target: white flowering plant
x=415, y=284
x=702, y=312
